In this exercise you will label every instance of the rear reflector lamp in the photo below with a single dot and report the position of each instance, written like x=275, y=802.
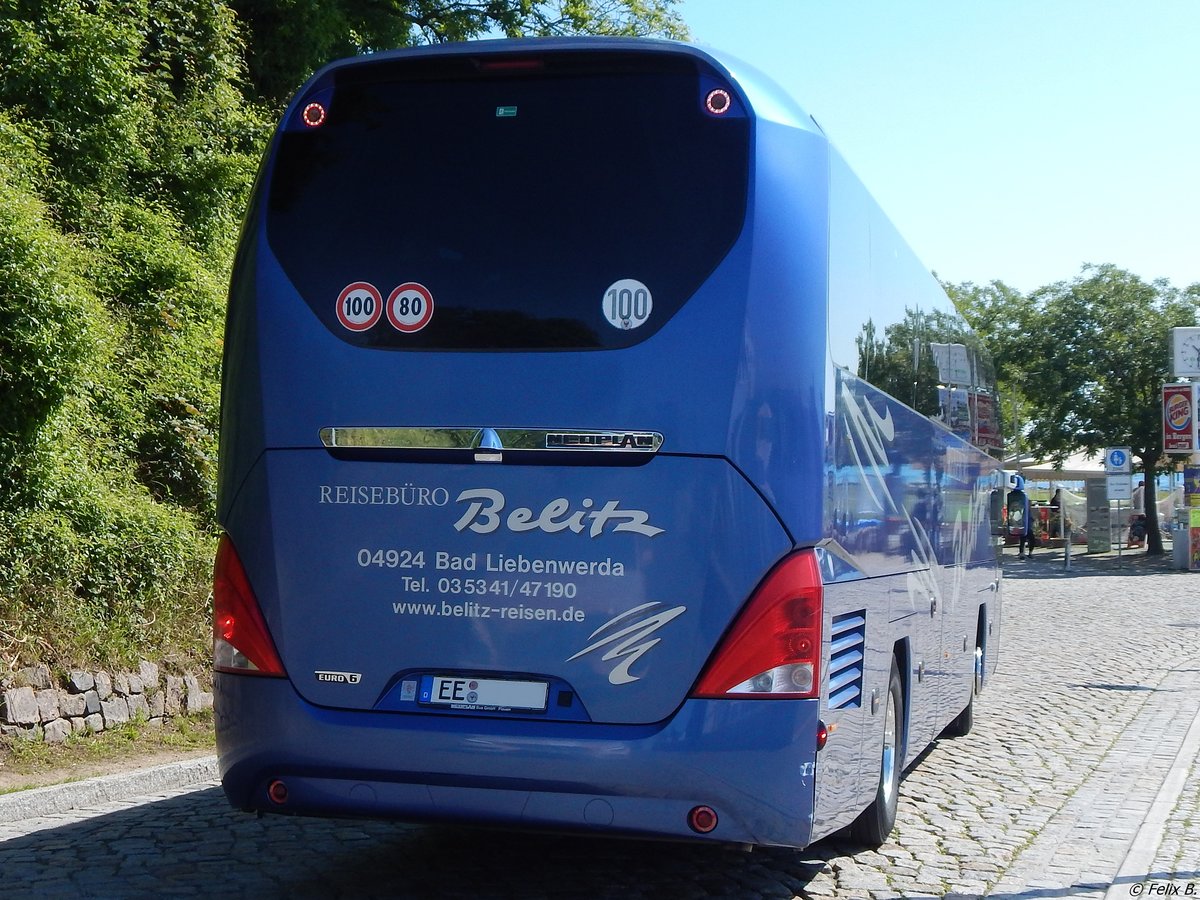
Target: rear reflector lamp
x=241, y=642
x=702, y=819
x=278, y=792
x=773, y=649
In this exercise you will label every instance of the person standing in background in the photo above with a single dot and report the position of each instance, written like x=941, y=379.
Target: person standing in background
x=1137, y=516
x=1056, y=529
x=1019, y=522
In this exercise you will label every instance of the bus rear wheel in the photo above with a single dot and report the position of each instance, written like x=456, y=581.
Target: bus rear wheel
x=876, y=822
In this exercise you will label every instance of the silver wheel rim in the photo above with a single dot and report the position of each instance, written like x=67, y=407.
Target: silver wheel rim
x=888, y=770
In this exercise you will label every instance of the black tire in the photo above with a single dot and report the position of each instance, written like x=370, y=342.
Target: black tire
x=875, y=823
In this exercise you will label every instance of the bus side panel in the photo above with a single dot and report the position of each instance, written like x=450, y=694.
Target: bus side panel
x=970, y=575
x=905, y=497
x=908, y=495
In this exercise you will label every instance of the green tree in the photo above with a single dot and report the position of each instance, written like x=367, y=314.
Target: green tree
x=1090, y=357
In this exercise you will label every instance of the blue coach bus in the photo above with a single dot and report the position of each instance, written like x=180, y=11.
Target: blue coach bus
x=552, y=492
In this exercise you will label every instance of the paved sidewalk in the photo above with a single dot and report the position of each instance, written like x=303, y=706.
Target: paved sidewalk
x=1107, y=835
x=1138, y=812
x=21, y=806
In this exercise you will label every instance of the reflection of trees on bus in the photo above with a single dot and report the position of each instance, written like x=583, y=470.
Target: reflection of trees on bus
x=901, y=362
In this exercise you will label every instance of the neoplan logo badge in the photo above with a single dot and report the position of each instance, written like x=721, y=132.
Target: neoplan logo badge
x=603, y=440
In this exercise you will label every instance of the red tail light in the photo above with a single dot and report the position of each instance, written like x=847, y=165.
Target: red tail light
x=241, y=642
x=774, y=647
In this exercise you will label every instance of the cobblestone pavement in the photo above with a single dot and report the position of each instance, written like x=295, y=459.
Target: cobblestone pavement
x=1078, y=781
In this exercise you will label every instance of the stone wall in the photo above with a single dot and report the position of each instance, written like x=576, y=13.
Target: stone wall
x=35, y=708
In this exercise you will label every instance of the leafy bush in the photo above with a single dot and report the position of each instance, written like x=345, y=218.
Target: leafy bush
x=92, y=568
x=119, y=205
x=45, y=304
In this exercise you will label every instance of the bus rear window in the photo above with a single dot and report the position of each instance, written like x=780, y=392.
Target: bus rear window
x=574, y=202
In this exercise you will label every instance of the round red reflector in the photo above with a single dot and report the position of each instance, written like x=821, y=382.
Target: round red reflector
x=278, y=792
x=822, y=735
x=718, y=102
x=313, y=115
x=702, y=819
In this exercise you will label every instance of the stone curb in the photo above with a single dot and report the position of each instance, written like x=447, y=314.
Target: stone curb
x=61, y=798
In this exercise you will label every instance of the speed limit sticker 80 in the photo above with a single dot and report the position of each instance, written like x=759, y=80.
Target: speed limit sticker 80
x=410, y=307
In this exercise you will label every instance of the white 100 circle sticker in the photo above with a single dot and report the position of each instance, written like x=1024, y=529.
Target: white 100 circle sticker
x=627, y=304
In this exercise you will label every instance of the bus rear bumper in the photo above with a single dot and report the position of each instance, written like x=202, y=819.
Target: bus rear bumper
x=751, y=761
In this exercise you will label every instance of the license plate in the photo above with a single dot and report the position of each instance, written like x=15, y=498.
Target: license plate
x=483, y=693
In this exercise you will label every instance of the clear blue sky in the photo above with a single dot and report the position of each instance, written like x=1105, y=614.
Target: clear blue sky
x=1007, y=139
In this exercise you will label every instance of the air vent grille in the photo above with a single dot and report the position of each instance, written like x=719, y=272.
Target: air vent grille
x=847, y=641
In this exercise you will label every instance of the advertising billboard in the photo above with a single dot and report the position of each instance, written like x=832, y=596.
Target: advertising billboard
x=1179, y=418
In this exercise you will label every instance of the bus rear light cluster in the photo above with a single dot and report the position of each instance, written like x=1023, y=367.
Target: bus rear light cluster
x=773, y=649
x=241, y=641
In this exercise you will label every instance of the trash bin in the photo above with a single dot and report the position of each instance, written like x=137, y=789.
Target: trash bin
x=1179, y=546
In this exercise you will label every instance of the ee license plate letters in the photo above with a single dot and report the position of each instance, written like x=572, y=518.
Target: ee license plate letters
x=485, y=694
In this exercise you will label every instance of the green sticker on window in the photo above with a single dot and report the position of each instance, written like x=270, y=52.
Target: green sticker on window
x=506, y=112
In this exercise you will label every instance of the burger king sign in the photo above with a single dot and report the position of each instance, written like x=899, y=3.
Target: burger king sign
x=1179, y=418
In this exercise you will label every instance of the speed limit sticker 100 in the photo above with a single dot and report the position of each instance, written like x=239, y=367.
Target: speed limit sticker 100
x=627, y=304
x=410, y=307
x=359, y=306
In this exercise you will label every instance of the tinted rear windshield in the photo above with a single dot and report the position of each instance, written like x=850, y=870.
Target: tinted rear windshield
x=561, y=201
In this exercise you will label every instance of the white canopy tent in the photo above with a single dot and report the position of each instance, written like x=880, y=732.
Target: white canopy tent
x=1076, y=467
x=1080, y=467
